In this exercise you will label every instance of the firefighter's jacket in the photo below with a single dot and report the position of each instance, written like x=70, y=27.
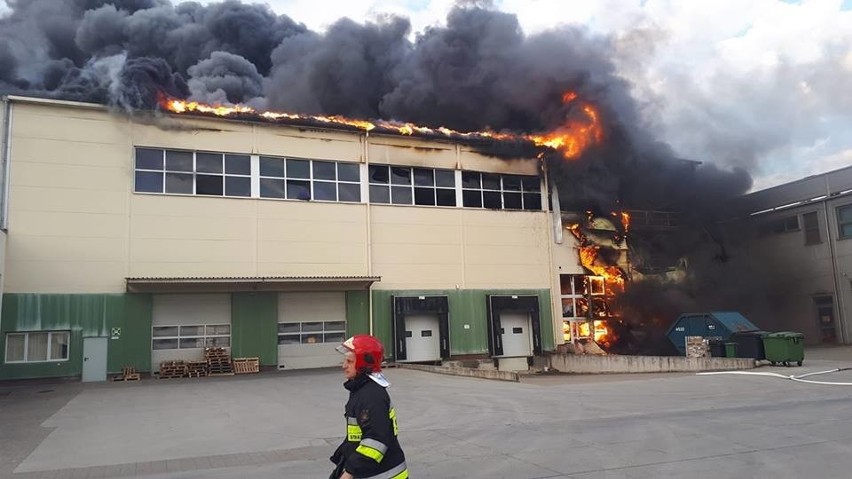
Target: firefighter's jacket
x=370, y=449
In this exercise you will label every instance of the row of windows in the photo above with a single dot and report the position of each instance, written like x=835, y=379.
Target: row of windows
x=810, y=225
x=222, y=174
x=312, y=332
x=37, y=347
x=191, y=337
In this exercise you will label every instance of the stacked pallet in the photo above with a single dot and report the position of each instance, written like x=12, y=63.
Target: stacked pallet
x=173, y=369
x=246, y=365
x=218, y=362
x=196, y=369
x=128, y=373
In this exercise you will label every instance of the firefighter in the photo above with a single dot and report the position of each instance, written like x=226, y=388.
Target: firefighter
x=370, y=449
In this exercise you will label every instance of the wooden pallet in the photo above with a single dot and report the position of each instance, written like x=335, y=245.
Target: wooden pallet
x=218, y=361
x=172, y=369
x=246, y=365
x=128, y=373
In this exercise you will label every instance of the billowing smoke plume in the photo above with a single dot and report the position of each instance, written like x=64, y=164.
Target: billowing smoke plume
x=478, y=71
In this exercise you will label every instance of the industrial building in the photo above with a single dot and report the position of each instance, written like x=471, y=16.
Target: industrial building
x=795, y=240
x=134, y=239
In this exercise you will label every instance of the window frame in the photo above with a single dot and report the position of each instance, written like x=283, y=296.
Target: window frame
x=840, y=223
x=411, y=186
x=26, y=335
x=224, y=175
x=811, y=229
x=311, y=179
x=302, y=333
x=179, y=337
x=504, y=191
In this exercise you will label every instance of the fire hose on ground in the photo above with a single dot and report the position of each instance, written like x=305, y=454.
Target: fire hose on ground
x=800, y=378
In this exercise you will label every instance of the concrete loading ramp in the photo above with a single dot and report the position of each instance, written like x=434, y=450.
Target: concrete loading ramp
x=599, y=364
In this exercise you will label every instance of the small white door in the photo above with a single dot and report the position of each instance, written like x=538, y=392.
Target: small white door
x=515, y=334
x=94, y=359
x=422, y=338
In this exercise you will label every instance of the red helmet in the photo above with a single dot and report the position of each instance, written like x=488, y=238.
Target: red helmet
x=368, y=351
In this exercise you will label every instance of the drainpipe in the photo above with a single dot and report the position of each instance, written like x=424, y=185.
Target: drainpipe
x=369, y=230
x=838, y=293
x=4, y=164
x=4, y=177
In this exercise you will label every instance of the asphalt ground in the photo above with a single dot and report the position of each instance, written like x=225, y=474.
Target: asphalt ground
x=285, y=425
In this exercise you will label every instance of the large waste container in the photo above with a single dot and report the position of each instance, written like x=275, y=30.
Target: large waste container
x=784, y=347
x=730, y=350
x=717, y=348
x=749, y=344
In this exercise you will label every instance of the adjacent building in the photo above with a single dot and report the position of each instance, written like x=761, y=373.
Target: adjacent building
x=797, y=237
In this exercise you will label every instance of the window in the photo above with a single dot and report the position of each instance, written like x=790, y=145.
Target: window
x=812, y=234
x=405, y=186
x=191, y=337
x=844, y=221
x=312, y=332
x=38, y=346
x=779, y=226
x=299, y=179
x=496, y=191
x=192, y=173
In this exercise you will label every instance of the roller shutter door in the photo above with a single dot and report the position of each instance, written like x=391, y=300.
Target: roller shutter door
x=184, y=324
x=310, y=326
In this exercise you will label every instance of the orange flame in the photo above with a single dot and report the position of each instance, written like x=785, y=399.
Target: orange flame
x=600, y=333
x=572, y=138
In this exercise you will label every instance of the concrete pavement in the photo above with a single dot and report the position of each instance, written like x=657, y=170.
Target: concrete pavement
x=590, y=427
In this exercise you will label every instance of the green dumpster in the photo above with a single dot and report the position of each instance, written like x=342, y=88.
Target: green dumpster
x=730, y=350
x=784, y=348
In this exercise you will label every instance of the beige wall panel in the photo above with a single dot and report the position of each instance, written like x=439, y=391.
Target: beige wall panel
x=385, y=233
x=296, y=269
x=189, y=206
x=194, y=134
x=311, y=211
x=403, y=151
x=566, y=257
x=472, y=160
x=307, y=253
x=419, y=276
x=70, y=177
x=416, y=254
x=82, y=225
x=191, y=250
x=309, y=143
x=37, y=199
x=175, y=269
x=417, y=247
x=66, y=248
x=507, y=276
x=145, y=227
x=415, y=215
x=64, y=276
x=53, y=151
x=72, y=125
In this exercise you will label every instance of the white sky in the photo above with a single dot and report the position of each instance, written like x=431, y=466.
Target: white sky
x=712, y=75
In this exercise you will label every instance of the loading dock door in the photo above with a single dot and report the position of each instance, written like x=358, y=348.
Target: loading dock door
x=421, y=328
x=508, y=309
x=515, y=334
x=422, y=339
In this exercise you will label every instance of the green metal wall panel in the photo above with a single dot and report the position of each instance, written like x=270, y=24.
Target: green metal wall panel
x=468, y=316
x=84, y=315
x=254, y=326
x=357, y=312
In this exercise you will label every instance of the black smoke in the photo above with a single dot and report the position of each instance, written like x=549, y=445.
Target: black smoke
x=479, y=70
